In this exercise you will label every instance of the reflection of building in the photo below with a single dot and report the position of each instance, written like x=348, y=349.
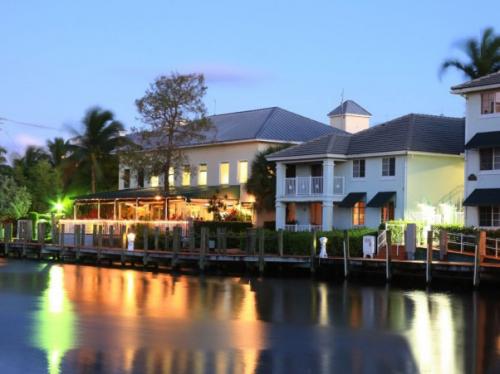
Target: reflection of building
x=407, y=168
x=218, y=166
x=482, y=150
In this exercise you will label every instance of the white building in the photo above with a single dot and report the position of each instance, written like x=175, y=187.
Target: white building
x=482, y=150
x=407, y=168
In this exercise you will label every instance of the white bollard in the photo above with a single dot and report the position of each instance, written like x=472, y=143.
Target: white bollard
x=322, y=242
x=131, y=240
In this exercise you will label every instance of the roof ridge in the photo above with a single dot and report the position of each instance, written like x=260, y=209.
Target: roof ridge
x=261, y=127
x=243, y=111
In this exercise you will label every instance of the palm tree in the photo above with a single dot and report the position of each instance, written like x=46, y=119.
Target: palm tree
x=3, y=159
x=58, y=150
x=32, y=155
x=483, y=56
x=95, y=145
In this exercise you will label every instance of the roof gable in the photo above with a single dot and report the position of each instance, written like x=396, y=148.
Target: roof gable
x=349, y=107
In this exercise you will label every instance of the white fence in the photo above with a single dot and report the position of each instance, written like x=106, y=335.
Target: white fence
x=311, y=186
x=297, y=228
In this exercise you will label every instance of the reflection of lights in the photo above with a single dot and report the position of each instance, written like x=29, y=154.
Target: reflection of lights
x=54, y=329
x=323, y=305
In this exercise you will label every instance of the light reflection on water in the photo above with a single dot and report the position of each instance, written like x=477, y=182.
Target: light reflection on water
x=86, y=319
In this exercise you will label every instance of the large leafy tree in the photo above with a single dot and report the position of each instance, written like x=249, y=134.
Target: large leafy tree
x=5, y=169
x=174, y=115
x=93, y=148
x=262, y=180
x=15, y=200
x=483, y=56
x=3, y=158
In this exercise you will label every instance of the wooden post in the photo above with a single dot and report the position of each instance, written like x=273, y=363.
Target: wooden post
x=280, y=242
x=388, y=250
x=167, y=238
x=176, y=245
x=312, y=262
x=8, y=238
x=203, y=247
x=192, y=239
x=77, y=240
x=94, y=235
x=480, y=249
x=218, y=236
x=261, y=250
x=224, y=240
x=123, y=238
x=346, y=253
x=111, y=233
x=41, y=236
x=443, y=245
x=99, y=243
x=157, y=238
x=24, y=226
x=428, y=267
x=251, y=241
x=146, y=245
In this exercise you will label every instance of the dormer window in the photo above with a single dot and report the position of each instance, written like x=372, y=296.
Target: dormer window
x=490, y=102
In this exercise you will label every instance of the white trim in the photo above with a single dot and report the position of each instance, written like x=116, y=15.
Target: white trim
x=475, y=89
x=489, y=172
x=489, y=115
x=240, y=141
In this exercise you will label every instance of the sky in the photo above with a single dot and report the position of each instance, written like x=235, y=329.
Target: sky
x=59, y=58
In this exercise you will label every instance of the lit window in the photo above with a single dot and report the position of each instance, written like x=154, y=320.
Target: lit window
x=186, y=175
x=358, y=168
x=358, y=214
x=388, y=167
x=243, y=171
x=126, y=178
x=489, y=216
x=155, y=181
x=202, y=174
x=171, y=176
x=489, y=158
x=490, y=102
x=224, y=173
x=387, y=212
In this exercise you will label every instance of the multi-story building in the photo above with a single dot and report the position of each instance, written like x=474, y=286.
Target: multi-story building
x=482, y=150
x=407, y=168
x=219, y=165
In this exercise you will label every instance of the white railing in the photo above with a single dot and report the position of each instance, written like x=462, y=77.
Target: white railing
x=297, y=228
x=311, y=186
x=493, y=245
x=466, y=243
x=69, y=224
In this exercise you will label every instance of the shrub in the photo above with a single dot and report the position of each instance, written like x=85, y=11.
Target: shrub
x=231, y=226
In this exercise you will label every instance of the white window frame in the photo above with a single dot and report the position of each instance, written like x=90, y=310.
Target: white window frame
x=496, y=96
x=353, y=168
x=239, y=171
x=389, y=176
x=491, y=218
x=200, y=173
x=494, y=155
x=228, y=173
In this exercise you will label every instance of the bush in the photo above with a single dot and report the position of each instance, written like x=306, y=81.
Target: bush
x=398, y=227
x=231, y=226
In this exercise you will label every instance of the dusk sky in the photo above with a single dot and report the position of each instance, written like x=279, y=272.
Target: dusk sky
x=60, y=58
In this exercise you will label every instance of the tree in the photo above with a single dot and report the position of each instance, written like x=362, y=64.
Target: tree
x=483, y=56
x=174, y=115
x=262, y=181
x=58, y=150
x=94, y=146
x=216, y=206
x=5, y=169
x=15, y=201
x=3, y=153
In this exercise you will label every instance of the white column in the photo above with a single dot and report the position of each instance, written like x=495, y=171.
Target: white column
x=280, y=179
x=328, y=173
x=327, y=215
x=280, y=215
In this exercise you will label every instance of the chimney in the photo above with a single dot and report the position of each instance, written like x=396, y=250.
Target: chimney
x=350, y=116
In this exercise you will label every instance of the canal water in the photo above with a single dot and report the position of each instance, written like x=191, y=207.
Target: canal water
x=81, y=319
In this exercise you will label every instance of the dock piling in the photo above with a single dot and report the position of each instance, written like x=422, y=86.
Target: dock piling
x=345, y=247
x=388, y=255
x=280, y=242
x=428, y=267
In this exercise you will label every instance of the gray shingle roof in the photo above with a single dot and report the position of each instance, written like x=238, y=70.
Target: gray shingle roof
x=272, y=124
x=349, y=107
x=413, y=132
x=487, y=80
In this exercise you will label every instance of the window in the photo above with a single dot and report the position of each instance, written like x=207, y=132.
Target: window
x=489, y=158
x=140, y=178
x=224, y=173
x=171, y=176
x=489, y=216
x=387, y=212
x=358, y=168
x=490, y=102
x=186, y=175
x=154, y=181
x=202, y=175
x=388, y=167
x=358, y=214
x=126, y=178
x=243, y=171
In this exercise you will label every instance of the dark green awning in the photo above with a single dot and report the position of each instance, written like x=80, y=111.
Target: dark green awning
x=351, y=199
x=484, y=140
x=197, y=192
x=380, y=199
x=483, y=197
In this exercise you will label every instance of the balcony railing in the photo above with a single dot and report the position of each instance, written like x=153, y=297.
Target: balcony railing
x=311, y=186
x=297, y=228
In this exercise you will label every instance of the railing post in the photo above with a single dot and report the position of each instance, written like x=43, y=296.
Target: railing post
x=428, y=267
x=111, y=241
x=94, y=235
x=345, y=248
x=280, y=242
x=443, y=244
x=388, y=254
x=176, y=245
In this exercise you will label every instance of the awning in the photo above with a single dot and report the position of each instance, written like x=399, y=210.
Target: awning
x=351, y=199
x=380, y=199
x=483, y=197
x=484, y=140
x=197, y=192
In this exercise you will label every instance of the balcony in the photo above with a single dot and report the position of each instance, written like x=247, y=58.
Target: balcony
x=311, y=186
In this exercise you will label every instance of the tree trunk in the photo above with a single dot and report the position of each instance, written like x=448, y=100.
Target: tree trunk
x=93, y=178
x=166, y=188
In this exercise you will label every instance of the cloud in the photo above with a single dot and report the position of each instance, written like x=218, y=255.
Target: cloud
x=24, y=140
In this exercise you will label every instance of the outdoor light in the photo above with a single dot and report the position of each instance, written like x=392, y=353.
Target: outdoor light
x=131, y=240
x=59, y=207
x=157, y=197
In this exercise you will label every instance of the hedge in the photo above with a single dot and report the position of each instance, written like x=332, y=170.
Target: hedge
x=230, y=226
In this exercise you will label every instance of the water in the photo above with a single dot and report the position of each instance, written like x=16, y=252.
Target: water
x=78, y=319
